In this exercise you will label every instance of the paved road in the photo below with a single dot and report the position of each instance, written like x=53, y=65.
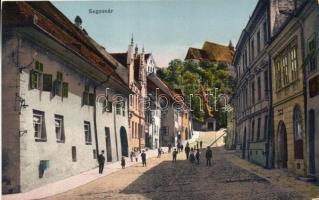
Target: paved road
x=162, y=179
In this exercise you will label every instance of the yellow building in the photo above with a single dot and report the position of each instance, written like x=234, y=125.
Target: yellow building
x=288, y=98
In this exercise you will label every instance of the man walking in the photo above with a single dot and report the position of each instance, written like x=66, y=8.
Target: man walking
x=201, y=144
x=159, y=152
x=187, y=150
x=143, y=155
x=209, y=155
x=101, y=160
x=197, y=155
x=174, y=155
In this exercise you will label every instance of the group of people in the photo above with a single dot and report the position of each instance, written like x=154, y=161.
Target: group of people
x=193, y=155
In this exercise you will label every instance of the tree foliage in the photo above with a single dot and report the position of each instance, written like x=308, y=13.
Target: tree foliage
x=190, y=76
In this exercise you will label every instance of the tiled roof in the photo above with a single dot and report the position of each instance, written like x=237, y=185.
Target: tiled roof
x=43, y=14
x=211, y=52
x=197, y=54
x=218, y=53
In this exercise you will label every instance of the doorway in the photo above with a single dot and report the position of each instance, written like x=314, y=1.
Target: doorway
x=282, y=146
x=312, y=162
x=124, y=143
x=244, y=146
x=108, y=145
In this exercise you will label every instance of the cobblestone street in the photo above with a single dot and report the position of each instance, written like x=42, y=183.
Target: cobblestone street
x=162, y=179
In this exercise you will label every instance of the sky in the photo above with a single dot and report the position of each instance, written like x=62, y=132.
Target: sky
x=165, y=28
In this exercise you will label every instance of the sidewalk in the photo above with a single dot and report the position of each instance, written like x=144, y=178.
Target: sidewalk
x=277, y=177
x=73, y=181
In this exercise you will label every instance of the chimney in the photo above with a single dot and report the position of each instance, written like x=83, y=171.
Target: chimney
x=78, y=22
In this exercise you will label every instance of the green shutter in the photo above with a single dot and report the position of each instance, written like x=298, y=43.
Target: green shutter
x=65, y=89
x=109, y=106
x=86, y=87
x=91, y=99
x=33, y=79
x=47, y=82
x=85, y=98
x=41, y=67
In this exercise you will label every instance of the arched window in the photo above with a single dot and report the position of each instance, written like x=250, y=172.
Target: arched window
x=298, y=129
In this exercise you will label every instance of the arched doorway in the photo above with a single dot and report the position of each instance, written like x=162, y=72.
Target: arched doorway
x=244, y=145
x=124, y=143
x=282, y=145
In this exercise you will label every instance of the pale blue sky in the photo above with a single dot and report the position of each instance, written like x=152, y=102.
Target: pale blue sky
x=166, y=28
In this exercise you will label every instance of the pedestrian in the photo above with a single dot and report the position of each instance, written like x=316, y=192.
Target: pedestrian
x=174, y=155
x=136, y=156
x=159, y=152
x=143, y=155
x=169, y=148
x=101, y=160
x=201, y=144
x=131, y=156
x=192, y=156
x=182, y=147
x=187, y=150
x=209, y=155
x=178, y=147
x=197, y=155
x=196, y=144
x=123, y=162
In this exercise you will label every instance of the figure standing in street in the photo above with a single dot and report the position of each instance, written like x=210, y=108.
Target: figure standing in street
x=169, y=148
x=174, y=155
x=131, y=156
x=192, y=156
x=182, y=147
x=101, y=160
x=187, y=150
x=123, y=162
x=197, y=155
x=201, y=144
x=136, y=156
x=143, y=155
x=196, y=144
x=209, y=155
x=159, y=152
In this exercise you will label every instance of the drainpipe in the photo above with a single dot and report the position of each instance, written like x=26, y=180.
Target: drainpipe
x=94, y=113
x=115, y=132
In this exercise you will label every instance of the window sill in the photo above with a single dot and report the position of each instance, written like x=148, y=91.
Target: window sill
x=60, y=141
x=40, y=140
x=88, y=143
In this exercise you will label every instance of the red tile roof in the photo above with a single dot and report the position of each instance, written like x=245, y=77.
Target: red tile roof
x=50, y=19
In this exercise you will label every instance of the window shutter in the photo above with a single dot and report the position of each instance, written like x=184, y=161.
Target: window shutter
x=33, y=79
x=109, y=106
x=65, y=89
x=91, y=99
x=85, y=98
x=47, y=82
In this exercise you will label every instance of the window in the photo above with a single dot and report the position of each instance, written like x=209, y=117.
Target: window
x=266, y=84
x=278, y=75
x=60, y=88
x=36, y=76
x=59, y=128
x=297, y=129
x=259, y=88
x=265, y=32
x=47, y=82
x=73, y=154
x=285, y=69
x=123, y=108
x=88, y=97
x=265, y=126
x=87, y=132
x=293, y=59
x=253, y=93
x=258, y=128
x=107, y=106
x=252, y=50
x=312, y=54
x=133, y=133
x=39, y=126
x=252, y=129
x=258, y=41
x=131, y=100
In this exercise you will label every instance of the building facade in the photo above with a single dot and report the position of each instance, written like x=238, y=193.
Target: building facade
x=56, y=122
x=252, y=99
x=311, y=44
